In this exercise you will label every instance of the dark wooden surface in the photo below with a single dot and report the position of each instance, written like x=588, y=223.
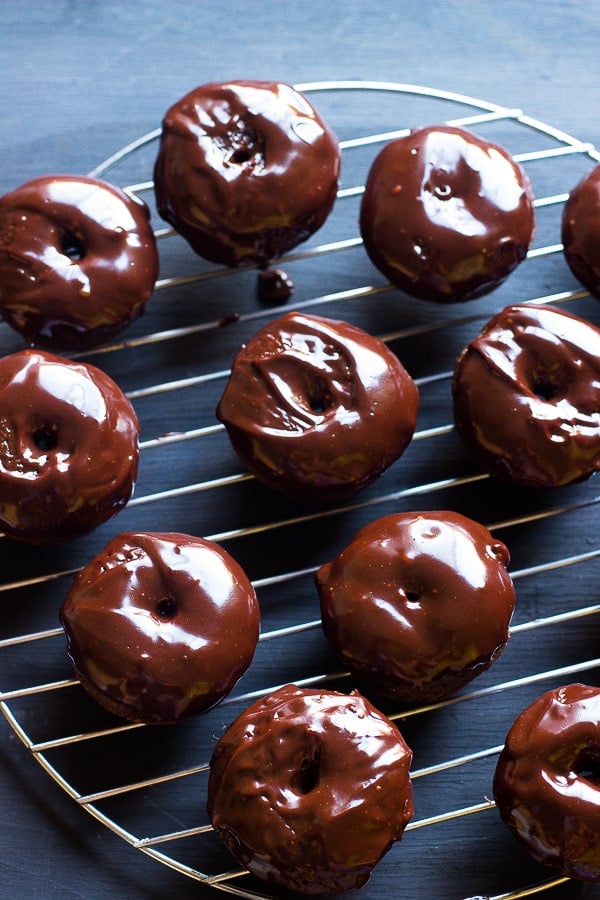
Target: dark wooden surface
x=78, y=81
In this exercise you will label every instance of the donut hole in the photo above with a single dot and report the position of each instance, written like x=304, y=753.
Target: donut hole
x=547, y=379
x=318, y=403
x=307, y=776
x=246, y=150
x=71, y=246
x=544, y=388
x=45, y=438
x=319, y=396
x=440, y=184
x=412, y=592
x=241, y=156
x=442, y=191
x=587, y=765
x=166, y=609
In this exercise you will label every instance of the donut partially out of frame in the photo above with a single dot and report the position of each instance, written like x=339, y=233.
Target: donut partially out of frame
x=78, y=261
x=547, y=780
x=526, y=396
x=68, y=447
x=580, y=231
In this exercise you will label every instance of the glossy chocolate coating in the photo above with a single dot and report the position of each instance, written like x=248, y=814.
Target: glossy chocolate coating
x=68, y=447
x=581, y=231
x=547, y=780
x=245, y=170
x=160, y=626
x=317, y=408
x=309, y=788
x=418, y=604
x=445, y=215
x=274, y=286
x=78, y=261
x=527, y=396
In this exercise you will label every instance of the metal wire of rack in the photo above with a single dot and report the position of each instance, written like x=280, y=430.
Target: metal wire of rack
x=172, y=364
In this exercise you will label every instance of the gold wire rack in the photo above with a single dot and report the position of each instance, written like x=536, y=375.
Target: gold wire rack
x=148, y=785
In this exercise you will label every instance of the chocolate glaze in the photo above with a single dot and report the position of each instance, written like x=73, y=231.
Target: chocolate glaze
x=160, y=626
x=527, y=396
x=78, y=260
x=245, y=170
x=418, y=604
x=274, y=286
x=68, y=447
x=581, y=231
x=445, y=215
x=317, y=408
x=309, y=788
x=547, y=780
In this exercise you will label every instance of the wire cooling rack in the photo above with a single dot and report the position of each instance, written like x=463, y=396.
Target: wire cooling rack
x=148, y=785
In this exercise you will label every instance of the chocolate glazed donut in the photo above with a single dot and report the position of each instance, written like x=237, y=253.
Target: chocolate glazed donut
x=581, y=231
x=245, y=170
x=78, y=261
x=160, y=626
x=68, y=447
x=445, y=215
x=417, y=604
x=527, y=396
x=547, y=780
x=309, y=789
x=317, y=408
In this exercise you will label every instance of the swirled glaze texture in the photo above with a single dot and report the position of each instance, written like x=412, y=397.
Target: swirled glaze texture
x=78, y=261
x=308, y=789
x=445, y=215
x=581, y=231
x=527, y=396
x=547, y=780
x=68, y=447
x=160, y=626
x=245, y=170
x=317, y=408
x=418, y=604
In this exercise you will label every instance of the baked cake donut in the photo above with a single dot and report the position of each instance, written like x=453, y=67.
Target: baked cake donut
x=68, y=447
x=526, y=396
x=78, y=261
x=445, y=215
x=309, y=788
x=317, y=408
x=160, y=626
x=581, y=231
x=245, y=171
x=418, y=604
x=547, y=780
